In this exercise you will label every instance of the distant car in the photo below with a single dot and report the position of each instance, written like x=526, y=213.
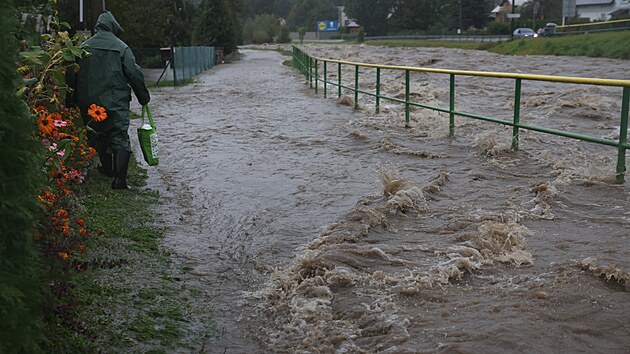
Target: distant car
x=549, y=30
x=524, y=33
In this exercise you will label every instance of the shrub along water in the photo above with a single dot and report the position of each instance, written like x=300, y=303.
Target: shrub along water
x=21, y=285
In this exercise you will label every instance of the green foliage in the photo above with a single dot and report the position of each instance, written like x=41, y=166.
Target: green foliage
x=305, y=13
x=372, y=15
x=415, y=15
x=21, y=286
x=283, y=35
x=499, y=28
x=129, y=299
x=260, y=7
x=215, y=25
x=149, y=23
x=541, y=10
x=260, y=29
x=438, y=16
x=302, y=33
x=360, y=35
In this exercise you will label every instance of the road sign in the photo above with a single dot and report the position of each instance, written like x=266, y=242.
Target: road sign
x=568, y=8
x=327, y=26
x=513, y=15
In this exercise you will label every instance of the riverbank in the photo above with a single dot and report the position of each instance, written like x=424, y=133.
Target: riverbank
x=128, y=296
x=605, y=45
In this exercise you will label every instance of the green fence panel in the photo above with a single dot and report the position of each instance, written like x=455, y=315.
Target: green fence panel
x=190, y=61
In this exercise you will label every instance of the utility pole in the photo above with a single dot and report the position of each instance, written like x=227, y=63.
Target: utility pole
x=512, y=19
x=459, y=30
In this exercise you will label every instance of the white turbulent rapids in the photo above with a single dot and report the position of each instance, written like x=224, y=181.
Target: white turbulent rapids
x=311, y=228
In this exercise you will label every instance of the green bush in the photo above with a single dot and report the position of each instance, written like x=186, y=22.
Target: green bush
x=498, y=28
x=283, y=35
x=21, y=286
x=260, y=29
x=360, y=35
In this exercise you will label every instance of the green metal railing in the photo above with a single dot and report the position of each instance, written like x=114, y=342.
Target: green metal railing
x=309, y=67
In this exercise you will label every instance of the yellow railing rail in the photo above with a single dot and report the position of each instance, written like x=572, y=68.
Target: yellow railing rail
x=603, y=23
x=550, y=78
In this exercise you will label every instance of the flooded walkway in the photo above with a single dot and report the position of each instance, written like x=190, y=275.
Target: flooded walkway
x=308, y=227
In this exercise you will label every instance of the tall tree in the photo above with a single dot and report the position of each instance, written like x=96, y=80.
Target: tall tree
x=541, y=9
x=279, y=8
x=372, y=15
x=215, y=25
x=415, y=15
x=476, y=13
x=307, y=12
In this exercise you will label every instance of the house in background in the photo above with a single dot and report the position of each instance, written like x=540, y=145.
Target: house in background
x=349, y=23
x=601, y=10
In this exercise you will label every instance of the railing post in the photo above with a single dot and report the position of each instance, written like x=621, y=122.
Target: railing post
x=451, y=124
x=338, y=80
x=316, y=75
x=378, y=90
x=174, y=63
x=356, y=87
x=623, y=136
x=325, y=62
x=517, y=114
x=310, y=72
x=407, y=99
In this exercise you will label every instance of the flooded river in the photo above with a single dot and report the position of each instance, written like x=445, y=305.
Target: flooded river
x=311, y=228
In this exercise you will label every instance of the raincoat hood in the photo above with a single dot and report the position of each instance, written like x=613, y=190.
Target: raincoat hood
x=106, y=22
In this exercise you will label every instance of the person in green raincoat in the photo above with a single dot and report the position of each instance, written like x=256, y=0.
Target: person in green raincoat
x=106, y=78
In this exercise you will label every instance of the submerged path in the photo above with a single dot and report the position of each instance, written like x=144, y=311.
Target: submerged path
x=275, y=212
x=257, y=166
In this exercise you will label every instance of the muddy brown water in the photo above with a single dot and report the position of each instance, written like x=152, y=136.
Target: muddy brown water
x=308, y=227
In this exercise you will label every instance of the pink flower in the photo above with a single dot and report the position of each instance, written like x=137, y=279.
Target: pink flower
x=60, y=123
x=52, y=147
x=76, y=176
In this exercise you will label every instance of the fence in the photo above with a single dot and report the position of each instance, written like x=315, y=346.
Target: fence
x=190, y=61
x=309, y=66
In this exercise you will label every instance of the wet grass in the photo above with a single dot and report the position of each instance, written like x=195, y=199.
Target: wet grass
x=130, y=298
x=605, y=45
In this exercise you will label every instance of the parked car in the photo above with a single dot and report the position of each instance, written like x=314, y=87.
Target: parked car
x=524, y=33
x=549, y=29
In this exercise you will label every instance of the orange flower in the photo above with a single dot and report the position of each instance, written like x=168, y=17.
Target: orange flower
x=62, y=214
x=63, y=255
x=97, y=113
x=46, y=125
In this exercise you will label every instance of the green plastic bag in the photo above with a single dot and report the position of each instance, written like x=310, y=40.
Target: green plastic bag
x=148, y=138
